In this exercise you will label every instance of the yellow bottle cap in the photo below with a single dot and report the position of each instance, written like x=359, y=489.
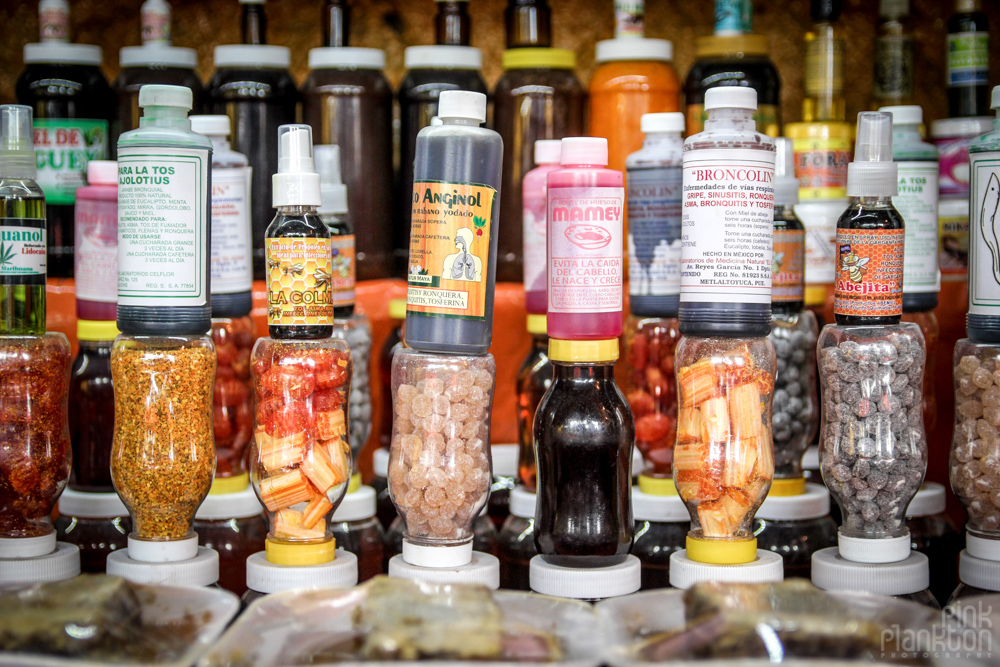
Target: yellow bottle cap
x=96, y=330
x=657, y=486
x=788, y=487
x=721, y=551
x=355, y=483
x=307, y=553
x=537, y=324
x=716, y=45
x=583, y=351
x=234, y=484
x=816, y=295
x=397, y=309
x=538, y=58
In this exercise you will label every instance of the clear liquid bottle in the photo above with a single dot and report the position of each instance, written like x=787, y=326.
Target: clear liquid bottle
x=96, y=257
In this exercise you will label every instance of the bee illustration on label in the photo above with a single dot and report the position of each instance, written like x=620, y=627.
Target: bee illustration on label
x=855, y=266
x=274, y=313
x=273, y=264
x=342, y=265
x=779, y=257
x=294, y=270
x=322, y=278
x=988, y=222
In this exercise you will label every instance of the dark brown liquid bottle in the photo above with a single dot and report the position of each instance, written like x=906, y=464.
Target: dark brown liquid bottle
x=336, y=23
x=92, y=408
x=533, y=379
x=529, y=23
x=452, y=25
x=253, y=22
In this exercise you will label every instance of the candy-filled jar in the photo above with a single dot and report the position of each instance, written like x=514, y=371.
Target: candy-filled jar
x=928, y=323
x=356, y=331
x=533, y=380
x=232, y=398
x=393, y=342
x=795, y=418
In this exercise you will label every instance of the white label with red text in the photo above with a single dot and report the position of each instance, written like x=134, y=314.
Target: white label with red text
x=232, y=265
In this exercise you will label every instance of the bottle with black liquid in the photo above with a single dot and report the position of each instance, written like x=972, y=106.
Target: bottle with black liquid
x=968, y=61
x=253, y=22
x=529, y=24
x=452, y=25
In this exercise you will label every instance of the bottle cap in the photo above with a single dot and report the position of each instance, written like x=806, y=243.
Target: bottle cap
x=300, y=553
x=548, y=151
x=162, y=551
x=27, y=547
x=583, y=351
x=539, y=58
x=296, y=183
x=83, y=505
x=462, y=104
x=654, y=486
x=585, y=583
x=219, y=506
x=211, y=125
x=222, y=486
x=538, y=324
x=437, y=556
x=249, y=56
x=435, y=121
x=928, y=501
x=731, y=45
x=266, y=577
x=504, y=460
x=948, y=128
x=584, y=150
x=634, y=48
x=380, y=462
x=661, y=509
x=59, y=53
x=157, y=95
x=102, y=172
x=58, y=565
x=786, y=185
x=813, y=504
x=442, y=57
x=832, y=572
x=825, y=10
x=893, y=8
x=986, y=548
x=333, y=192
x=995, y=98
x=662, y=122
x=874, y=550
x=481, y=569
x=346, y=57
x=810, y=460
x=822, y=131
x=789, y=486
x=397, y=309
x=767, y=567
x=712, y=551
x=251, y=2
x=356, y=506
x=158, y=54
x=907, y=114
x=730, y=97
x=873, y=173
x=17, y=151
x=199, y=571
x=979, y=573
x=97, y=330
x=522, y=502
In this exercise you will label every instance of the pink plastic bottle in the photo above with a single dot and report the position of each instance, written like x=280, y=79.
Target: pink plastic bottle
x=586, y=202
x=96, y=257
x=533, y=191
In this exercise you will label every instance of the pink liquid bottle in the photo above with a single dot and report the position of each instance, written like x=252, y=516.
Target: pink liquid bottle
x=534, y=191
x=586, y=201
x=96, y=256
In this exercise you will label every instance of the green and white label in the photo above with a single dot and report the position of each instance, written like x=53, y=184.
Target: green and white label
x=968, y=58
x=63, y=147
x=22, y=249
x=917, y=202
x=163, y=226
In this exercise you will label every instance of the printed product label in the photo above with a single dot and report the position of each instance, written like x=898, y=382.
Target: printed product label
x=984, y=233
x=821, y=167
x=727, y=251
x=654, y=231
x=629, y=18
x=824, y=68
x=766, y=118
x=788, y=267
x=53, y=24
x=534, y=239
x=893, y=67
x=163, y=202
x=869, y=273
x=63, y=147
x=917, y=202
x=585, y=250
x=344, y=271
x=968, y=58
x=450, y=249
x=953, y=254
x=22, y=250
x=298, y=282
x=953, y=162
x=232, y=264
x=96, y=259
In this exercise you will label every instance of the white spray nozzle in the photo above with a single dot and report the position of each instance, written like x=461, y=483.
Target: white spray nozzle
x=296, y=183
x=786, y=186
x=17, y=152
x=332, y=188
x=873, y=173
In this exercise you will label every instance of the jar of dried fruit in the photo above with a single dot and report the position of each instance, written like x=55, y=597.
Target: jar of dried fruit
x=232, y=399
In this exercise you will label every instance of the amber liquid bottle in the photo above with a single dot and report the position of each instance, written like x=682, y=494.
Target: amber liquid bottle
x=452, y=25
x=529, y=24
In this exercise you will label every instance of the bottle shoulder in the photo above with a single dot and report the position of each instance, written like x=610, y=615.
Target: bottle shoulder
x=297, y=225
x=164, y=137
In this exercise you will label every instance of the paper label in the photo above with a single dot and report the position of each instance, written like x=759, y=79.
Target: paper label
x=821, y=167
x=22, y=251
x=953, y=245
x=821, y=252
x=232, y=264
x=344, y=270
x=917, y=202
x=63, y=147
x=95, y=263
x=727, y=226
x=765, y=118
x=968, y=59
x=163, y=199
x=869, y=272
x=585, y=249
x=953, y=163
x=449, y=263
x=788, y=267
x=533, y=220
x=654, y=231
x=298, y=282
x=984, y=233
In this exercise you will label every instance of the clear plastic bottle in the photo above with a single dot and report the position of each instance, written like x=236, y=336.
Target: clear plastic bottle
x=393, y=342
x=533, y=192
x=232, y=398
x=824, y=65
x=894, y=69
x=484, y=536
x=96, y=255
x=516, y=541
x=533, y=379
x=92, y=407
x=983, y=320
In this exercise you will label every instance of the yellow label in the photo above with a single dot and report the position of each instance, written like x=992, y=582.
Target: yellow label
x=343, y=275
x=449, y=249
x=766, y=118
x=299, y=282
x=821, y=166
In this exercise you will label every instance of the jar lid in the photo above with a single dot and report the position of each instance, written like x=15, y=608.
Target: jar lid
x=768, y=567
x=634, y=48
x=442, y=57
x=445, y=555
x=380, y=462
x=27, y=547
x=585, y=583
x=211, y=124
x=158, y=54
x=462, y=104
x=904, y=114
x=724, y=45
x=538, y=324
x=874, y=550
x=730, y=97
x=951, y=128
x=482, y=569
x=930, y=500
x=353, y=57
x=252, y=55
x=584, y=150
x=832, y=572
x=82, y=505
x=356, y=505
x=239, y=505
x=812, y=504
x=523, y=502
x=670, y=121
x=200, y=571
x=825, y=130
x=266, y=577
x=162, y=551
x=539, y=58
x=505, y=459
x=582, y=351
x=662, y=509
x=97, y=330
x=978, y=572
x=59, y=565
x=62, y=54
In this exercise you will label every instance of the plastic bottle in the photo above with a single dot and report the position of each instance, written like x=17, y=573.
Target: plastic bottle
x=661, y=525
x=533, y=379
x=484, y=538
x=393, y=342
x=452, y=25
x=651, y=391
x=253, y=22
x=516, y=541
x=504, y=460
x=977, y=577
x=585, y=276
x=534, y=199
x=91, y=407
x=97, y=523
x=155, y=16
x=934, y=534
x=96, y=235
x=459, y=162
x=336, y=23
x=728, y=156
x=529, y=24
x=824, y=65
x=894, y=69
x=968, y=62
x=983, y=320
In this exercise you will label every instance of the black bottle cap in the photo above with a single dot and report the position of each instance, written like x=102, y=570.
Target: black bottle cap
x=826, y=10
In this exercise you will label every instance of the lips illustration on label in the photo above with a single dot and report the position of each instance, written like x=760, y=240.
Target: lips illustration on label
x=588, y=237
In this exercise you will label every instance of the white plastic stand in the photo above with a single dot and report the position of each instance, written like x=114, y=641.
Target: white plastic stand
x=27, y=547
x=522, y=502
x=813, y=504
x=979, y=573
x=437, y=556
x=222, y=506
x=266, y=577
x=685, y=573
x=661, y=509
x=162, y=551
x=982, y=547
x=62, y=563
x=929, y=500
x=356, y=506
x=81, y=505
x=504, y=460
x=832, y=572
x=578, y=583
x=879, y=550
x=200, y=571
x=481, y=569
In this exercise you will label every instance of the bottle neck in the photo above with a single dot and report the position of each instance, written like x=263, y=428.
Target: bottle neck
x=730, y=119
x=589, y=371
x=528, y=24
x=452, y=26
x=254, y=24
x=172, y=117
x=296, y=211
x=336, y=23
x=657, y=139
x=879, y=202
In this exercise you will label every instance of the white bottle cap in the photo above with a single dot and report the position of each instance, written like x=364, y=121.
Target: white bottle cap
x=874, y=550
x=80, y=505
x=982, y=547
x=199, y=571
x=435, y=121
x=481, y=569
x=672, y=121
x=813, y=504
x=995, y=98
x=17, y=151
x=102, y=172
x=505, y=459
x=296, y=183
x=356, y=506
x=333, y=192
x=832, y=572
x=252, y=55
x=27, y=547
x=442, y=57
x=350, y=57
x=221, y=506
x=156, y=95
x=437, y=556
x=60, y=53
x=661, y=509
x=634, y=48
x=162, y=551
x=158, y=54
x=584, y=150
x=211, y=125
x=873, y=173
x=930, y=500
x=61, y=564
x=380, y=462
x=585, y=583
x=984, y=574
x=730, y=97
x=522, y=502
x=685, y=573
x=548, y=151
x=786, y=185
x=907, y=114
x=462, y=104
x=810, y=460
x=950, y=128
x=266, y=577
